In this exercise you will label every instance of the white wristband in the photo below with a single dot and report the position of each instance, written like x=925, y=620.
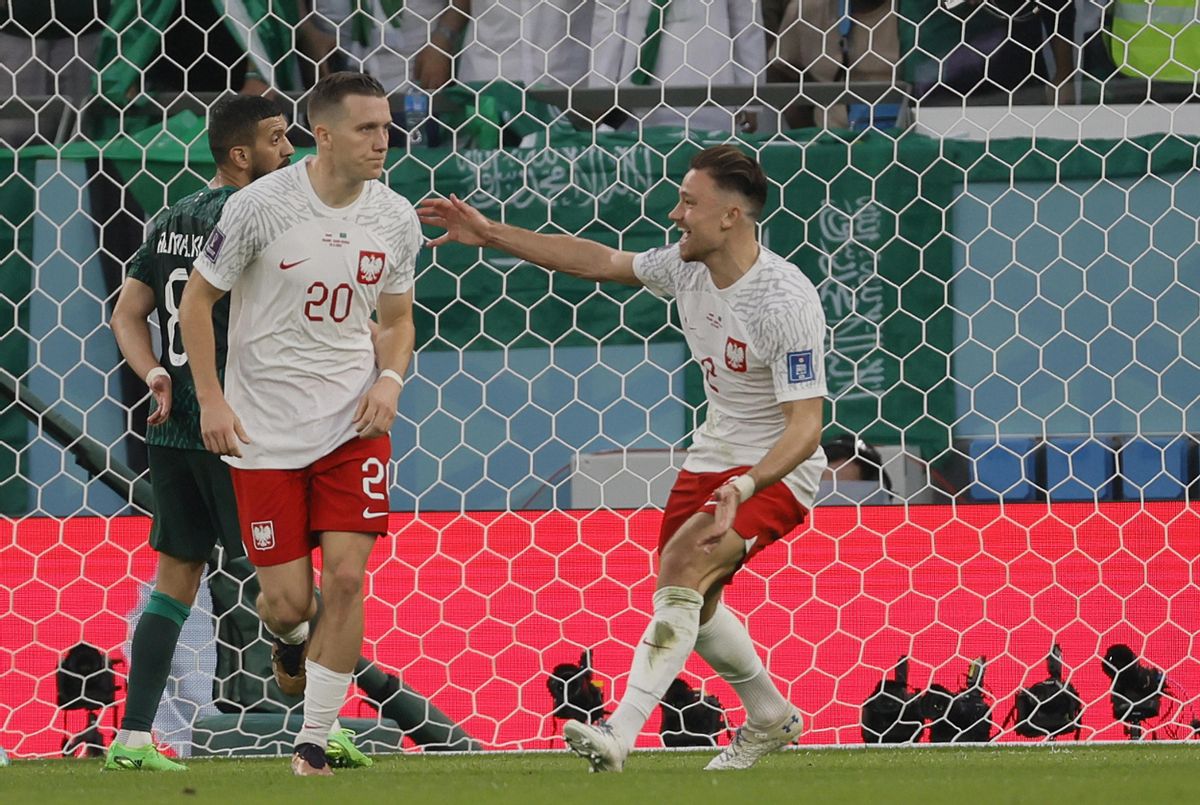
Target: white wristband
x=156, y=372
x=392, y=375
x=745, y=486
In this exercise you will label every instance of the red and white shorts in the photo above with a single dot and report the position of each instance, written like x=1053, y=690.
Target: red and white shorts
x=768, y=515
x=282, y=512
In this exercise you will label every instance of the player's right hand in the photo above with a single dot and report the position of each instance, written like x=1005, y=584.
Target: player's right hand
x=728, y=500
x=160, y=387
x=222, y=430
x=462, y=222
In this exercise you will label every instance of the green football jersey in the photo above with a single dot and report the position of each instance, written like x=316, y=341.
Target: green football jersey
x=164, y=262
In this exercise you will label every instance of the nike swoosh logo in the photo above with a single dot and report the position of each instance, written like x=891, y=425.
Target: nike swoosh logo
x=285, y=266
x=369, y=513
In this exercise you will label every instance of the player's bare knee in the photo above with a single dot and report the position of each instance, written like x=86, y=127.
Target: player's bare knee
x=341, y=585
x=687, y=562
x=284, y=610
x=179, y=578
x=712, y=597
x=682, y=564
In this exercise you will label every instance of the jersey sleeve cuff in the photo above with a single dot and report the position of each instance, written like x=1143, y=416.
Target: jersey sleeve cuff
x=638, y=271
x=398, y=288
x=801, y=394
x=209, y=273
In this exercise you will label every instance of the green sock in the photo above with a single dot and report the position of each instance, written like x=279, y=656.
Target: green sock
x=153, y=647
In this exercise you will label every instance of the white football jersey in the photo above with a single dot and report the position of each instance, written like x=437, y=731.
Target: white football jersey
x=760, y=342
x=304, y=278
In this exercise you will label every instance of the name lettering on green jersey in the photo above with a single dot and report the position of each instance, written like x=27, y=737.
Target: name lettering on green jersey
x=180, y=245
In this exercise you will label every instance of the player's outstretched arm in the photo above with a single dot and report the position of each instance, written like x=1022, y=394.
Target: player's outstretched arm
x=219, y=426
x=132, y=331
x=799, y=440
x=568, y=254
x=394, y=339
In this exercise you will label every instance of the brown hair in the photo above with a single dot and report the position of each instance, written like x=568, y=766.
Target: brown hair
x=331, y=89
x=734, y=170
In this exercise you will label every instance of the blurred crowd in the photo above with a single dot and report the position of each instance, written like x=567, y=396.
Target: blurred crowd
x=937, y=51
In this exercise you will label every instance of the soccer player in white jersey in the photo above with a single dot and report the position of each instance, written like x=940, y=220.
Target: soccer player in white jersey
x=754, y=323
x=308, y=253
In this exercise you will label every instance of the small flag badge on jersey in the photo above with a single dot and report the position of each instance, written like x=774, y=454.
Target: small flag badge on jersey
x=370, y=267
x=735, y=355
x=800, y=366
x=216, y=239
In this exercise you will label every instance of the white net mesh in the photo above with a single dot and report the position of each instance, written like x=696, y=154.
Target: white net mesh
x=1010, y=283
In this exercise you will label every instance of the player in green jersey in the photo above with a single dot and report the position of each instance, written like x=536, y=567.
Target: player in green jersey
x=194, y=501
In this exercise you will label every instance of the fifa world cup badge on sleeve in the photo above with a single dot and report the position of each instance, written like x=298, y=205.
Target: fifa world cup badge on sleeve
x=800, y=366
x=216, y=239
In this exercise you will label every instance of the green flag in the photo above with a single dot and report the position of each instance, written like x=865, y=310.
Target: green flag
x=134, y=36
x=651, y=42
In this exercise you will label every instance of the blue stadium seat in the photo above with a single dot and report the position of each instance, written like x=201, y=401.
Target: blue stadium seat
x=1002, y=470
x=1155, y=468
x=1079, y=469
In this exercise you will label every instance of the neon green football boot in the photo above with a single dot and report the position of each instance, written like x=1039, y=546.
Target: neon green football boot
x=146, y=758
x=343, y=754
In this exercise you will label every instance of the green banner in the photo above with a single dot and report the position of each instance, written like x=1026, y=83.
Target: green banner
x=832, y=210
x=865, y=218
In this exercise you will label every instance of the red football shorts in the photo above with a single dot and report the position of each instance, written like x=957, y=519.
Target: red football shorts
x=282, y=512
x=769, y=514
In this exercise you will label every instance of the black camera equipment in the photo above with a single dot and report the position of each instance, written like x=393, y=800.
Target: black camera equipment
x=1137, y=689
x=577, y=696
x=847, y=447
x=85, y=680
x=1050, y=708
x=892, y=713
x=689, y=718
x=962, y=717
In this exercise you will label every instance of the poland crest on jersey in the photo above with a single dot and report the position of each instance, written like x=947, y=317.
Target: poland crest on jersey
x=263, y=533
x=370, y=267
x=735, y=355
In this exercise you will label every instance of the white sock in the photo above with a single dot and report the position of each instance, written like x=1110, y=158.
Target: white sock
x=296, y=636
x=658, y=659
x=134, y=739
x=335, y=726
x=725, y=645
x=324, y=695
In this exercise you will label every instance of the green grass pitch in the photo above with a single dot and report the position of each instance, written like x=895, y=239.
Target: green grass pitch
x=1064, y=774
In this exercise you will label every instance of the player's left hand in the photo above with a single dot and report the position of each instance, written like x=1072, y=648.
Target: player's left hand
x=160, y=387
x=377, y=409
x=728, y=500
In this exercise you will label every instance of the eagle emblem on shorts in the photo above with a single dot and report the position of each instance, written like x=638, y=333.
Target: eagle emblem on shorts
x=735, y=355
x=263, y=533
x=370, y=267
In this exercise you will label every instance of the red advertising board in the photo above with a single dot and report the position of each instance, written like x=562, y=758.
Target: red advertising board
x=473, y=610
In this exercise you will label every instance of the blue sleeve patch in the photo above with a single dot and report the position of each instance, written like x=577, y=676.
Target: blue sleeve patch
x=800, y=367
x=216, y=240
